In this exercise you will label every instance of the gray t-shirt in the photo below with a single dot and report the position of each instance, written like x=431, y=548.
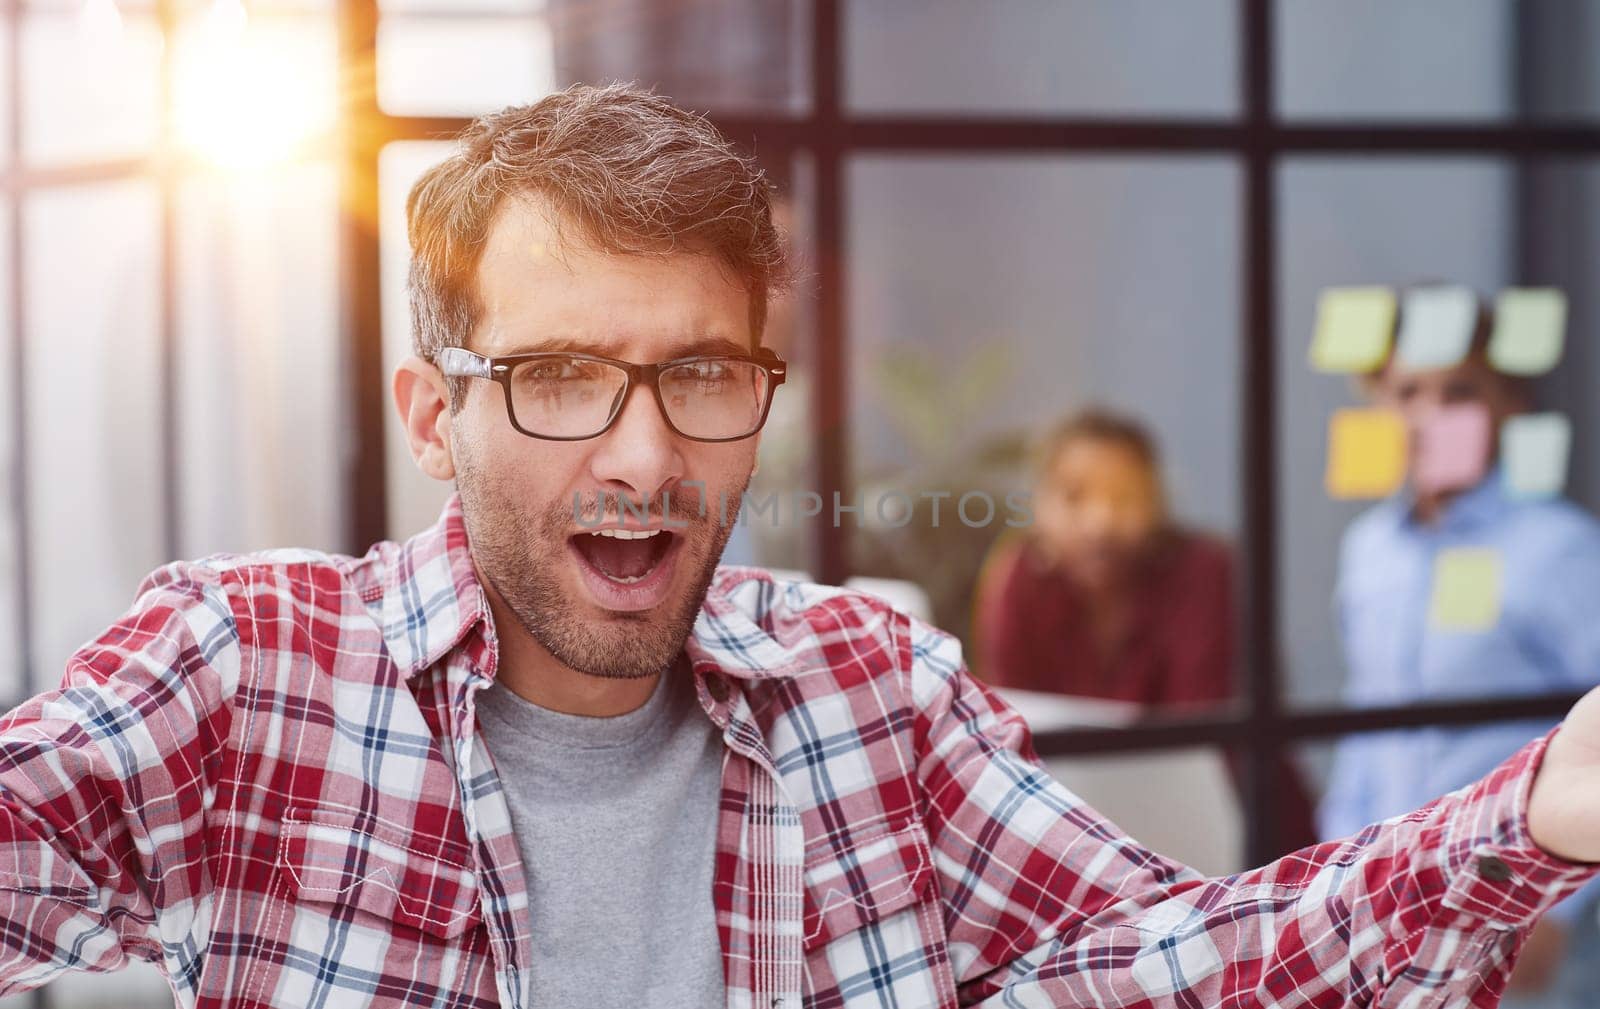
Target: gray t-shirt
x=616, y=820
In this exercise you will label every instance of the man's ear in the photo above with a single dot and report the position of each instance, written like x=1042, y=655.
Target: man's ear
x=423, y=400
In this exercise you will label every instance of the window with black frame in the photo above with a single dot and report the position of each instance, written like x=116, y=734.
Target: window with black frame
x=1139, y=222
x=168, y=291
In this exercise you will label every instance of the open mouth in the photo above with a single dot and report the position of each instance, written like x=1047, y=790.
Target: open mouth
x=624, y=556
x=627, y=570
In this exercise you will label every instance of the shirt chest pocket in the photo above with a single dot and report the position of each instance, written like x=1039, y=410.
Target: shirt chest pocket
x=331, y=863
x=367, y=917
x=868, y=893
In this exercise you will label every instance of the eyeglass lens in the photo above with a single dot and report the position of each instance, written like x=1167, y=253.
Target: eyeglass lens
x=574, y=398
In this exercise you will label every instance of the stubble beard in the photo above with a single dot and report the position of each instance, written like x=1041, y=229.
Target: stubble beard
x=522, y=557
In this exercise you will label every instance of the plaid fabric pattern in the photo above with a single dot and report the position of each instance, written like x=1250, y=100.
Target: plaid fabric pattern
x=266, y=778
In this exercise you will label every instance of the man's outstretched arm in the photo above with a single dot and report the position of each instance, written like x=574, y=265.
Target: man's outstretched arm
x=1564, y=809
x=104, y=788
x=1046, y=903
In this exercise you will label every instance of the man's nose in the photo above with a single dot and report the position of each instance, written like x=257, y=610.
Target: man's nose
x=1420, y=411
x=1097, y=517
x=641, y=455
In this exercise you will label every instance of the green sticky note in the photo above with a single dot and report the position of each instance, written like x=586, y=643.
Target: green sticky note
x=1355, y=327
x=1466, y=590
x=1534, y=449
x=1530, y=326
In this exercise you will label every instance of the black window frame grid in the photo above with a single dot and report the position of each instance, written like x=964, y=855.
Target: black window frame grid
x=1262, y=728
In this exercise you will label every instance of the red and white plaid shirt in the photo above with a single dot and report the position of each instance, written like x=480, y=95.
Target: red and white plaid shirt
x=266, y=778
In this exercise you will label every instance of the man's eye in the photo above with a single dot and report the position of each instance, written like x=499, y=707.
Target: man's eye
x=703, y=378
x=555, y=371
x=708, y=371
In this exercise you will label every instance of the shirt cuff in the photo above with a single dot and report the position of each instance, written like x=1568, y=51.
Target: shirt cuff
x=1497, y=872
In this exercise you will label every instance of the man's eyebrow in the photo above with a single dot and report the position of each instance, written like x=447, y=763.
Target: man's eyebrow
x=562, y=345
x=693, y=347
x=710, y=345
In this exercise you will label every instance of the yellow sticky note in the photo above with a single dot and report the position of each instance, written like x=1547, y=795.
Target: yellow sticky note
x=1466, y=590
x=1366, y=453
x=1355, y=327
x=1530, y=326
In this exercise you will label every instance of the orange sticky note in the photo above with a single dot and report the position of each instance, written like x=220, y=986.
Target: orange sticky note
x=1355, y=327
x=1466, y=589
x=1366, y=453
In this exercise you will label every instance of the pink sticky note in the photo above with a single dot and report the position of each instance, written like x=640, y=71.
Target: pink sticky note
x=1452, y=449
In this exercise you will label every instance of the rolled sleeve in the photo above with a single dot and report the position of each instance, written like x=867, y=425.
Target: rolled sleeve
x=1499, y=874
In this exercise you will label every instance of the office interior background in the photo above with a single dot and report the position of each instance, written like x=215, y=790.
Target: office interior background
x=1005, y=210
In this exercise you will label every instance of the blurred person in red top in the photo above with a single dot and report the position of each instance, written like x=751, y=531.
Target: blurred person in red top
x=1106, y=596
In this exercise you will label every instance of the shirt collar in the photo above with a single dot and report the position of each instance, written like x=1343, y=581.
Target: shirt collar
x=1479, y=506
x=433, y=601
x=730, y=633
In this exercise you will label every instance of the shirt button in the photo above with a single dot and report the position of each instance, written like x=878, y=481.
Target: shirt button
x=1493, y=869
x=717, y=687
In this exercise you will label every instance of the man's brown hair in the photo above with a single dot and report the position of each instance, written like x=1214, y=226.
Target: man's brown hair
x=1099, y=424
x=626, y=170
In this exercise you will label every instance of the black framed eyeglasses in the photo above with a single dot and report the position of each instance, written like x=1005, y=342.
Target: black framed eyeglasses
x=563, y=396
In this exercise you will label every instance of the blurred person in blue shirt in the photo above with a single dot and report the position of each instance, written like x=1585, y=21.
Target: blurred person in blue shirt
x=1546, y=639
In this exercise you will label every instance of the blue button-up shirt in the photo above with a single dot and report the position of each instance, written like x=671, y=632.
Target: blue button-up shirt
x=1547, y=639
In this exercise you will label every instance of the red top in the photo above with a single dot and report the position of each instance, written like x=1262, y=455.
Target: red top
x=1033, y=633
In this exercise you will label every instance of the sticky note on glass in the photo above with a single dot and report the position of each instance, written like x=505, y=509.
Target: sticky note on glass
x=1452, y=447
x=1534, y=450
x=1530, y=326
x=1436, y=325
x=1466, y=589
x=1366, y=453
x=1355, y=326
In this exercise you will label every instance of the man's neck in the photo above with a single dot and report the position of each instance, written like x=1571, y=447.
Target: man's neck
x=1428, y=510
x=528, y=670
x=558, y=688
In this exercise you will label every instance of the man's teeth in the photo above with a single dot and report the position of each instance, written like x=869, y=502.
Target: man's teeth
x=626, y=534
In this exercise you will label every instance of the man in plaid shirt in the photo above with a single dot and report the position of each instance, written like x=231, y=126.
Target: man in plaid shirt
x=277, y=776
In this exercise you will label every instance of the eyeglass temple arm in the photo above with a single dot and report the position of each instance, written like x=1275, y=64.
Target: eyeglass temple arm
x=456, y=362
x=769, y=357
